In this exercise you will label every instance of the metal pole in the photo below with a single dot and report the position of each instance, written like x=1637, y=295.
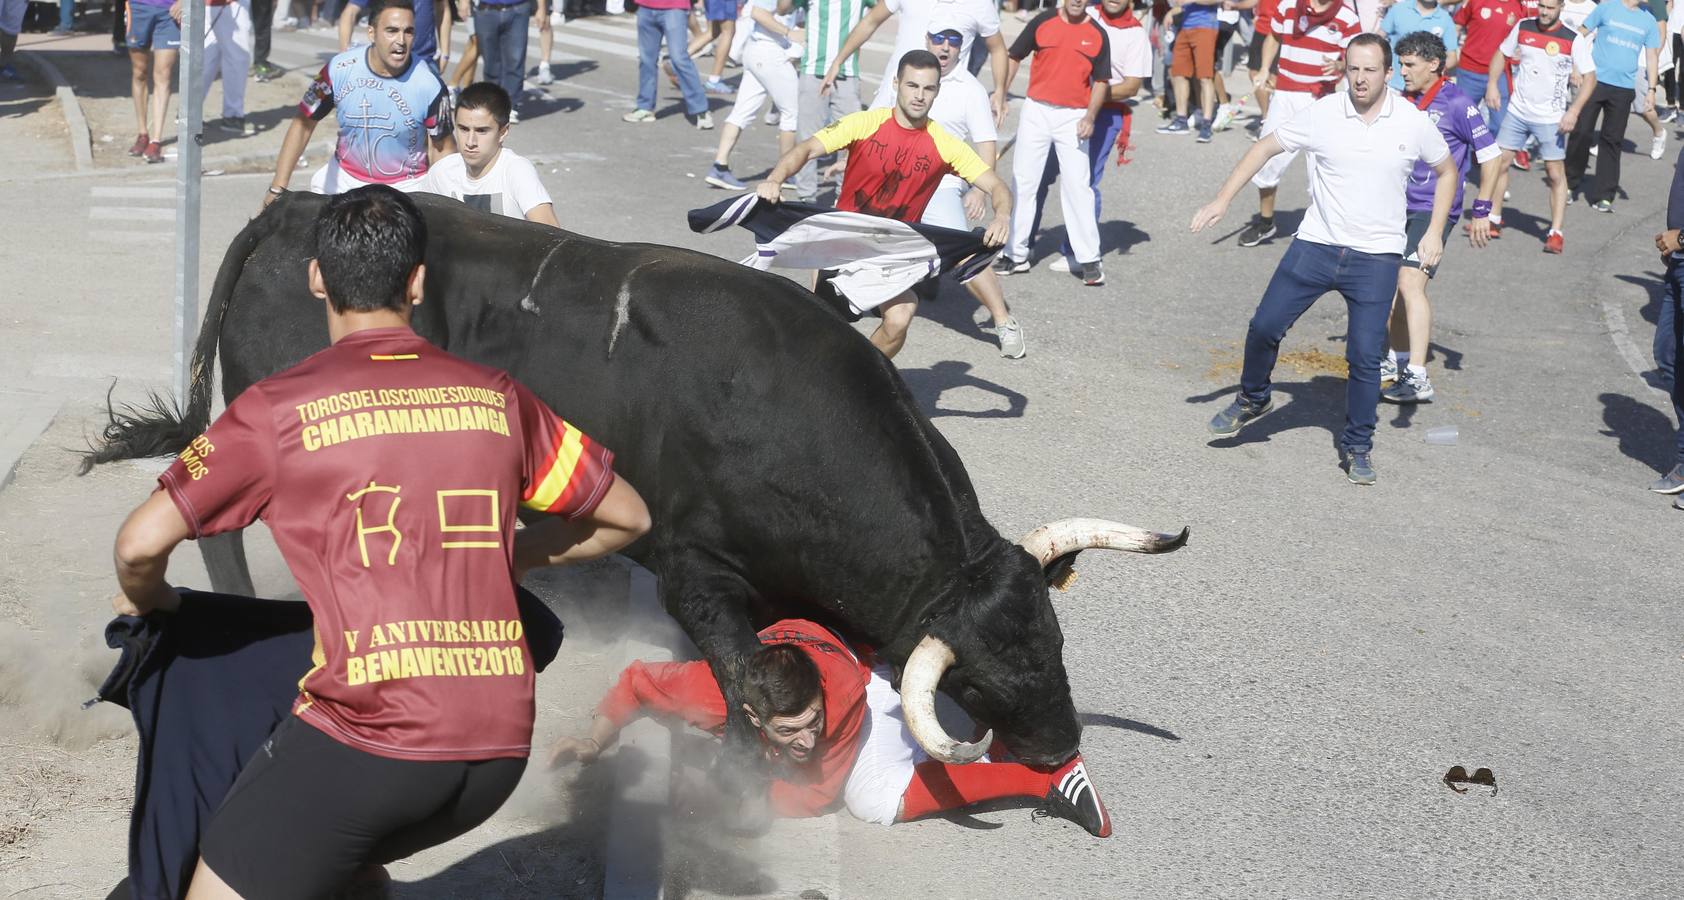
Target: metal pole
x=187, y=175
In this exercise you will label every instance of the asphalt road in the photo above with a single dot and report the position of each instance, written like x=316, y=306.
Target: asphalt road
x=1271, y=709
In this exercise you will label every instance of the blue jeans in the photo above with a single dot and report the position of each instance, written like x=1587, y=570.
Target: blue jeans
x=1669, y=342
x=66, y=14
x=502, y=44
x=654, y=26
x=1106, y=126
x=1473, y=84
x=1308, y=270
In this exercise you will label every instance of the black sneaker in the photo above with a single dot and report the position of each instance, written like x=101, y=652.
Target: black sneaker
x=1359, y=468
x=266, y=71
x=1670, y=483
x=1072, y=797
x=1177, y=125
x=1238, y=415
x=1093, y=274
x=1257, y=232
x=1005, y=265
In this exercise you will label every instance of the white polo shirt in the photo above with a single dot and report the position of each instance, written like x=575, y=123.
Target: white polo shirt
x=1358, y=171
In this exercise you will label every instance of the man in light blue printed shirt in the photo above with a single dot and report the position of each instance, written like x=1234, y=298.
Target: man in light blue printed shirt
x=1623, y=34
x=1409, y=16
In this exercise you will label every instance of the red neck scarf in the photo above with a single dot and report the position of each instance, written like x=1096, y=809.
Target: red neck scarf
x=1422, y=101
x=1126, y=20
x=1317, y=19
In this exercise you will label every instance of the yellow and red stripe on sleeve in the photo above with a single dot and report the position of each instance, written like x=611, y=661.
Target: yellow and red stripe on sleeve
x=548, y=492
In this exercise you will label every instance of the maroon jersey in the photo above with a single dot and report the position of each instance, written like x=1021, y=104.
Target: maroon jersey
x=388, y=472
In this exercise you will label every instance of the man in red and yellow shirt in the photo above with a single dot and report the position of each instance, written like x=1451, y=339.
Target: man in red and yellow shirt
x=896, y=159
x=388, y=472
x=832, y=729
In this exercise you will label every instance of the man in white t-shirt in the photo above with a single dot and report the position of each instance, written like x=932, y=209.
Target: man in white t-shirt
x=483, y=174
x=974, y=19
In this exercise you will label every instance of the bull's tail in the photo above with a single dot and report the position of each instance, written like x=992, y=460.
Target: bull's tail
x=160, y=427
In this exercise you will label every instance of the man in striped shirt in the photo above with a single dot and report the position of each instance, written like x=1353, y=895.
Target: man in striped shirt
x=828, y=24
x=1308, y=42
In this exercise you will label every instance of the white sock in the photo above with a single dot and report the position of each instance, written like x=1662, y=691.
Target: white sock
x=1418, y=371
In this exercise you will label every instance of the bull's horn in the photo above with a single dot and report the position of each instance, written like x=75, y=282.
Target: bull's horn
x=1066, y=536
x=918, y=682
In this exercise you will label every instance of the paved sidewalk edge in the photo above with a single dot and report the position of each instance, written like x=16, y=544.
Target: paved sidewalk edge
x=22, y=427
x=81, y=139
x=632, y=867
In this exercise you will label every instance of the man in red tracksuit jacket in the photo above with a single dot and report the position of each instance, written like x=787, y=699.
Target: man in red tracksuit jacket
x=832, y=728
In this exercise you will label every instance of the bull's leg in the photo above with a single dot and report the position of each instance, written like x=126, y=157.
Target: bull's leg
x=225, y=560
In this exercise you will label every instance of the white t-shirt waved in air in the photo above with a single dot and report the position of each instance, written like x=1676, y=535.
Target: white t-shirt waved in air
x=508, y=187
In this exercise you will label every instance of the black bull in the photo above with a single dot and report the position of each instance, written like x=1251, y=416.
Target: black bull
x=785, y=464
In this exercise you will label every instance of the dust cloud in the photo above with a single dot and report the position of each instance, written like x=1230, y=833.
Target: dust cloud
x=44, y=680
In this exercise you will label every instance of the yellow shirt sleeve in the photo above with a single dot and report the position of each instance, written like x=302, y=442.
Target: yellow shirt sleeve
x=957, y=154
x=852, y=127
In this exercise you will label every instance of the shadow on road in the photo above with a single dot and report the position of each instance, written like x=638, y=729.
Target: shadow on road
x=1654, y=285
x=1317, y=403
x=1645, y=433
x=1286, y=224
x=929, y=384
x=1106, y=720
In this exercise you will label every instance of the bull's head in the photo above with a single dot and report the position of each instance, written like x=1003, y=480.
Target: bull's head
x=1000, y=653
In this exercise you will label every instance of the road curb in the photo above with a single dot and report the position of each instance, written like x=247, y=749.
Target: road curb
x=25, y=421
x=81, y=139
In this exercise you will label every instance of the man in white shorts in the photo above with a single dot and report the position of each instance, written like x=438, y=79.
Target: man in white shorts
x=963, y=109
x=832, y=729
x=392, y=109
x=974, y=18
x=774, y=43
x=483, y=173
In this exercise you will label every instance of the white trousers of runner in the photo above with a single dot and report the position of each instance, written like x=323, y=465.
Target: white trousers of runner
x=1283, y=105
x=330, y=179
x=767, y=73
x=947, y=205
x=888, y=753
x=228, y=33
x=1043, y=129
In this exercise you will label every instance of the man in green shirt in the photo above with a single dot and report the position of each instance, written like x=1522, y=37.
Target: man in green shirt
x=828, y=24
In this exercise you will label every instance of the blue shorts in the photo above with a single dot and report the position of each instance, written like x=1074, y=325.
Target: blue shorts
x=1512, y=135
x=151, y=28
x=720, y=10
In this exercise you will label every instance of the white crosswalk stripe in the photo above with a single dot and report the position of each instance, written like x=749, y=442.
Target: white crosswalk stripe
x=124, y=214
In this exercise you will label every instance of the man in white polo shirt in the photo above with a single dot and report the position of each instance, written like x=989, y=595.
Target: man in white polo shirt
x=1362, y=145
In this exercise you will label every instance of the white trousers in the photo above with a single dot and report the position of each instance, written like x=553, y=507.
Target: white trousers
x=1283, y=105
x=1042, y=129
x=331, y=179
x=228, y=33
x=767, y=73
x=888, y=753
x=947, y=205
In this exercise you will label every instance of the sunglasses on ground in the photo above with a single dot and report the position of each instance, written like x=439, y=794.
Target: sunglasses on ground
x=948, y=37
x=1458, y=776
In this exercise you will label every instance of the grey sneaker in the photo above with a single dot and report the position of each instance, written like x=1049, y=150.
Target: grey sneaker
x=639, y=116
x=1258, y=231
x=1093, y=274
x=1359, y=468
x=1238, y=415
x=703, y=122
x=1604, y=206
x=1177, y=125
x=1388, y=370
x=720, y=177
x=1670, y=483
x=1005, y=265
x=1409, y=388
x=235, y=125
x=1010, y=335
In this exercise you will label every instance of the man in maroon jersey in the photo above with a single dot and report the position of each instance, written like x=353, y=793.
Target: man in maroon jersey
x=388, y=472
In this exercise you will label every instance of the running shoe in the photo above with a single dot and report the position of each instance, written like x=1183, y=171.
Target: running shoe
x=720, y=177
x=1523, y=161
x=545, y=76
x=1072, y=797
x=1010, y=336
x=1254, y=129
x=1177, y=125
x=1224, y=117
x=1238, y=415
x=703, y=122
x=1005, y=265
x=1603, y=206
x=1553, y=242
x=8, y=73
x=138, y=148
x=154, y=153
x=1358, y=466
x=514, y=116
x=1257, y=232
x=557, y=17
x=1657, y=147
x=1093, y=274
x=235, y=125
x=1670, y=483
x=1667, y=114
x=717, y=87
x=1204, y=134
x=266, y=71
x=771, y=117
x=1388, y=370
x=1409, y=388
x=638, y=116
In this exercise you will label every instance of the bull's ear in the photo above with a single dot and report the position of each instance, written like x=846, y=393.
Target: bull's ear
x=1061, y=572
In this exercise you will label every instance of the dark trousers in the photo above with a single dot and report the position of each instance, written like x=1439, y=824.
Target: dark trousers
x=502, y=44
x=262, y=20
x=1613, y=105
x=119, y=24
x=1367, y=281
x=1669, y=343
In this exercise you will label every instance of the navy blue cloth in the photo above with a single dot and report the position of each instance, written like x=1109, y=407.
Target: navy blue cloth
x=206, y=685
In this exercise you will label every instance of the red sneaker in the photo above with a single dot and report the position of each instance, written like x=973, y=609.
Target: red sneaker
x=1073, y=797
x=1553, y=243
x=1495, y=228
x=1523, y=161
x=139, y=145
x=154, y=153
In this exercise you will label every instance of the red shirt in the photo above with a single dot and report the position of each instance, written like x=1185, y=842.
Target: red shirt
x=688, y=692
x=1264, y=18
x=893, y=171
x=1069, y=58
x=388, y=472
x=1308, y=39
x=1485, y=25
